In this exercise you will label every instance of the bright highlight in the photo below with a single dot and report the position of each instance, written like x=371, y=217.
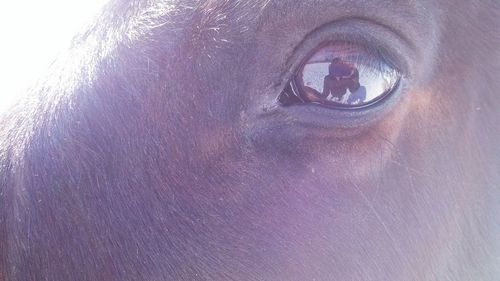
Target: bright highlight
x=33, y=33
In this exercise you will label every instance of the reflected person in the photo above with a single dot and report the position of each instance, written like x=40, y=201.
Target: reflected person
x=341, y=76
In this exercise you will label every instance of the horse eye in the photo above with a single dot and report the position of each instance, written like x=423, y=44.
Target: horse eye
x=340, y=75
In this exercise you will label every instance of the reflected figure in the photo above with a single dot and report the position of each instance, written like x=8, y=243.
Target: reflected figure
x=358, y=96
x=341, y=76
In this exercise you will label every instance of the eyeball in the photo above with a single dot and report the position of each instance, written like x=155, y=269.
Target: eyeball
x=341, y=75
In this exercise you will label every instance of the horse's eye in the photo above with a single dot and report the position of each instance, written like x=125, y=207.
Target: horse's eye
x=340, y=75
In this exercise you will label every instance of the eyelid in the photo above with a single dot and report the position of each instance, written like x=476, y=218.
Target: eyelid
x=376, y=38
x=268, y=119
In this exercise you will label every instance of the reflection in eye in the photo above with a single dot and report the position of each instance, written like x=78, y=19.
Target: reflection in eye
x=341, y=76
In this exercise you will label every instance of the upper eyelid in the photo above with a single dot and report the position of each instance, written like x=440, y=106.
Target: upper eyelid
x=387, y=42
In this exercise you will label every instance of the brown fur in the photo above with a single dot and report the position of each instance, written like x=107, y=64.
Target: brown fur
x=155, y=149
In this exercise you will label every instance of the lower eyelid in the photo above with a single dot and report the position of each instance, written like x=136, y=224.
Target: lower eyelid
x=290, y=127
x=301, y=121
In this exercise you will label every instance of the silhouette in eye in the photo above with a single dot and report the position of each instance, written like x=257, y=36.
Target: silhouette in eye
x=341, y=76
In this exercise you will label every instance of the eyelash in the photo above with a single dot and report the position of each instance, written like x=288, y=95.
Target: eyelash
x=376, y=39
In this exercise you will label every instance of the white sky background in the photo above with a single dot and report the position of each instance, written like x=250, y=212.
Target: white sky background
x=32, y=33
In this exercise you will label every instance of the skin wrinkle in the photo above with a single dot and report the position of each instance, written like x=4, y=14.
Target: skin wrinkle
x=141, y=161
